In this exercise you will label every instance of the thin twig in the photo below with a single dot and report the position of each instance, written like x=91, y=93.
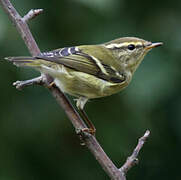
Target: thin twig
x=132, y=160
x=22, y=84
x=32, y=14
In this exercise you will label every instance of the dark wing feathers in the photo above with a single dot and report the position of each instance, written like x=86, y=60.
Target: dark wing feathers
x=79, y=61
x=72, y=63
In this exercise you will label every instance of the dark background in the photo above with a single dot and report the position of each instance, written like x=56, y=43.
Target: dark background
x=37, y=141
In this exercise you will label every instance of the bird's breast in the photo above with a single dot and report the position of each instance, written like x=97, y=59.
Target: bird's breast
x=80, y=84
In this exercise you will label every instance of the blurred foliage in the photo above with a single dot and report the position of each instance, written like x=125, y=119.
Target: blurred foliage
x=37, y=139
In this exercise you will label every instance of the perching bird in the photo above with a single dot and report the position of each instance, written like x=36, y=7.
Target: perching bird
x=91, y=71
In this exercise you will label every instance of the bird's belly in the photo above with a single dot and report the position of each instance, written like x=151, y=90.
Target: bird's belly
x=81, y=84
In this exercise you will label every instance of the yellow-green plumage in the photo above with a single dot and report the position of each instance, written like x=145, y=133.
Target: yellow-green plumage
x=91, y=71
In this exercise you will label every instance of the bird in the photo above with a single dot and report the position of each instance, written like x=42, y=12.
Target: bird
x=91, y=71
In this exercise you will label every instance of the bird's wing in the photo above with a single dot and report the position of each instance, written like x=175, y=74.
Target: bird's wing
x=75, y=58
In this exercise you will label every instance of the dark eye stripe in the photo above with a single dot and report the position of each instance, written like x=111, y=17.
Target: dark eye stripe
x=133, y=46
x=126, y=47
x=139, y=46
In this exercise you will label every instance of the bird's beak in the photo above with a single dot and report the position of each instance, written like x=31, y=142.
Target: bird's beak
x=153, y=45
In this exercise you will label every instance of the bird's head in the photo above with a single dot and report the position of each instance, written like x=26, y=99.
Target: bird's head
x=130, y=51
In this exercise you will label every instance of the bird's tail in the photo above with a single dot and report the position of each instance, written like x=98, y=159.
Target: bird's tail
x=24, y=61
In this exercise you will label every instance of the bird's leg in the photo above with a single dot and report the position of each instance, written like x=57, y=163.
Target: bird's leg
x=80, y=105
x=51, y=84
x=91, y=128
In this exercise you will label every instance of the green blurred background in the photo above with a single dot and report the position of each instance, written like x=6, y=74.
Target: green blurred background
x=37, y=141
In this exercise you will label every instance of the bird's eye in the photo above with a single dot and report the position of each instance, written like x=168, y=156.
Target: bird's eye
x=131, y=47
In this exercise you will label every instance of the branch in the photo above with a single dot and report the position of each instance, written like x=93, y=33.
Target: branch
x=132, y=160
x=22, y=84
x=32, y=14
x=21, y=25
